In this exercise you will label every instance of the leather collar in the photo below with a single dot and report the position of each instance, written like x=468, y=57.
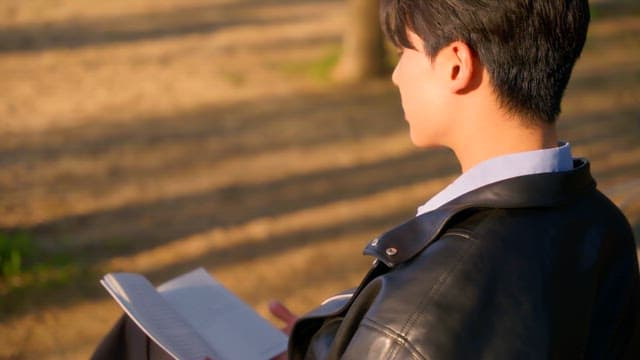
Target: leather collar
x=538, y=190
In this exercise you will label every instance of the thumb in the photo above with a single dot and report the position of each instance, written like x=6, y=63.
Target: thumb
x=282, y=312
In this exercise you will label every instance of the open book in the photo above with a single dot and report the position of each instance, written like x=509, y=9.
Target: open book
x=193, y=317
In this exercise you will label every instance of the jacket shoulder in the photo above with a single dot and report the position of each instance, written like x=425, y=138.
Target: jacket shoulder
x=507, y=283
x=463, y=289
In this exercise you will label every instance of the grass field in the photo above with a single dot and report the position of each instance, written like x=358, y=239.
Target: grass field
x=160, y=135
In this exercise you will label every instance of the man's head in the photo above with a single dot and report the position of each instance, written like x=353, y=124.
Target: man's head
x=528, y=47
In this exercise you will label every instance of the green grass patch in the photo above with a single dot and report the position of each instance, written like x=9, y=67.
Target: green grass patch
x=22, y=264
x=31, y=278
x=15, y=249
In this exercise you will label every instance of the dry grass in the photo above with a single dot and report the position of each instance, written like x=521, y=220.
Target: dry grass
x=157, y=136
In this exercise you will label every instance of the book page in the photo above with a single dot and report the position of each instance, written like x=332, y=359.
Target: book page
x=153, y=314
x=232, y=327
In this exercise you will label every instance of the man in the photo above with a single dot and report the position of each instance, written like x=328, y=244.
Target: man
x=520, y=257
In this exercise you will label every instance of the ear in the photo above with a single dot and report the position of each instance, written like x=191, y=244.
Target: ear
x=460, y=67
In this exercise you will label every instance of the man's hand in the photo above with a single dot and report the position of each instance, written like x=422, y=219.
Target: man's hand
x=283, y=313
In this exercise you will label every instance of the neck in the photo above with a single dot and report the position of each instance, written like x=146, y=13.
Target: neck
x=507, y=136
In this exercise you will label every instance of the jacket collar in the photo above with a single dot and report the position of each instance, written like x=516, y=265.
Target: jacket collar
x=539, y=190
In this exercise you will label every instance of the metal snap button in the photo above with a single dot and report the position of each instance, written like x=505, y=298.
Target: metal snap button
x=391, y=251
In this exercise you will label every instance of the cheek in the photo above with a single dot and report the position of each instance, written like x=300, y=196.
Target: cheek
x=415, y=101
x=415, y=94
x=425, y=113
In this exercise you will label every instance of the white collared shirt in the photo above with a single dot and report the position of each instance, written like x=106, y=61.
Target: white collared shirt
x=501, y=168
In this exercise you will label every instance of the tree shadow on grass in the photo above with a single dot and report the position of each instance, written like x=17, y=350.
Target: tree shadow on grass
x=83, y=283
x=178, y=217
x=182, y=21
x=144, y=151
x=246, y=127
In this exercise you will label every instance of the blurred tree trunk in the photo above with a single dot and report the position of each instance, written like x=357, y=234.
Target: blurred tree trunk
x=363, y=52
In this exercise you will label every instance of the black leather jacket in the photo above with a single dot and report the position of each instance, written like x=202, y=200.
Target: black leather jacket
x=534, y=267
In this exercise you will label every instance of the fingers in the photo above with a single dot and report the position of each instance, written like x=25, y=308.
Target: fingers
x=282, y=312
x=282, y=356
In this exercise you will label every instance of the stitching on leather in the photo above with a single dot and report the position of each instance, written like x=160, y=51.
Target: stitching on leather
x=397, y=337
x=439, y=283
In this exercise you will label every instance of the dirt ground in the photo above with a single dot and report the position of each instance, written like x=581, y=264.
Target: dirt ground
x=157, y=136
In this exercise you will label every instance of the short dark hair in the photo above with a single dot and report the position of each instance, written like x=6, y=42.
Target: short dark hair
x=529, y=47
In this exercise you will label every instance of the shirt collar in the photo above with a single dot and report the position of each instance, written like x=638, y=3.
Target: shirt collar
x=549, y=189
x=501, y=168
